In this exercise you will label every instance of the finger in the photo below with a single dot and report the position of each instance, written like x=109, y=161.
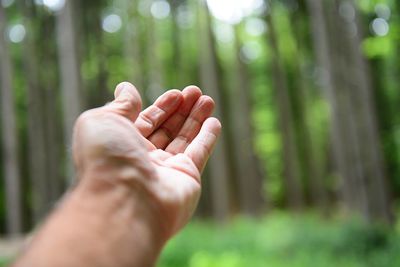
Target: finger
x=153, y=116
x=127, y=101
x=170, y=128
x=200, y=112
x=203, y=144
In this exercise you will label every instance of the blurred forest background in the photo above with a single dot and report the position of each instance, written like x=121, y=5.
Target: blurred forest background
x=307, y=91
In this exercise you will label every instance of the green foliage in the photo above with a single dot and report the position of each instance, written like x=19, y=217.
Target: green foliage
x=377, y=46
x=282, y=240
x=4, y=262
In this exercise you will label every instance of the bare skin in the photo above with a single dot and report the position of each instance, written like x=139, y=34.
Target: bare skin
x=139, y=181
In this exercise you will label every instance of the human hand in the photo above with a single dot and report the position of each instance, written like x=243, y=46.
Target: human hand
x=158, y=153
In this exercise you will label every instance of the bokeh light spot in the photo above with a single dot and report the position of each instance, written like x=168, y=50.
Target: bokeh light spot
x=160, y=9
x=7, y=3
x=233, y=11
x=54, y=5
x=16, y=33
x=112, y=23
x=255, y=26
x=383, y=11
x=224, y=32
x=250, y=51
x=380, y=27
x=185, y=17
x=347, y=11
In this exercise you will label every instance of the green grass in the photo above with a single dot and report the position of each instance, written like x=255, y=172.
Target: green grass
x=4, y=262
x=281, y=240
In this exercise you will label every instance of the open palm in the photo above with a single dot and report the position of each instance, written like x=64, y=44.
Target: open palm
x=161, y=151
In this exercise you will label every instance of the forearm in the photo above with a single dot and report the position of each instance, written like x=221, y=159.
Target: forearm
x=97, y=225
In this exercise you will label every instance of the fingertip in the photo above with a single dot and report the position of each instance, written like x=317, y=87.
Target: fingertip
x=213, y=125
x=205, y=104
x=203, y=144
x=175, y=91
x=209, y=100
x=127, y=87
x=173, y=96
x=127, y=100
x=192, y=89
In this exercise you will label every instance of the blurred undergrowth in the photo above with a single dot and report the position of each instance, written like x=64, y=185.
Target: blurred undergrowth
x=283, y=240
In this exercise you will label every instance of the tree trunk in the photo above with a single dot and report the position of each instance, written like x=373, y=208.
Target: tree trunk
x=132, y=46
x=9, y=136
x=326, y=71
x=155, y=70
x=176, y=45
x=36, y=120
x=96, y=90
x=48, y=80
x=291, y=174
x=218, y=164
x=70, y=73
x=368, y=132
x=250, y=180
x=355, y=135
x=312, y=170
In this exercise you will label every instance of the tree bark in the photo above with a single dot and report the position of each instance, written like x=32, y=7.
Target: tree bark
x=176, y=44
x=250, y=180
x=327, y=71
x=355, y=137
x=293, y=186
x=312, y=170
x=218, y=164
x=70, y=73
x=375, y=178
x=9, y=136
x=36, y=119
x=155, y=69
x=132, y=45
x=96, y=89
x=52, y=116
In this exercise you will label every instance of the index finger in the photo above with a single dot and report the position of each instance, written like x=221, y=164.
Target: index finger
x=153, y=116
x=200, y=149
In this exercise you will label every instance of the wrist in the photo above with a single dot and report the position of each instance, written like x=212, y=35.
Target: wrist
x=100, y=223
x=132, y=236
x=134, y=184
x=120, y=195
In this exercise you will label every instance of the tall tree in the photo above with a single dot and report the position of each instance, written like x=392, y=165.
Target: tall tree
x=70, y=71
x=303, y=98
x=292, y=182
x=48, y=80
x=348, y=89
x=155, y=71
x=133, y=40
x=210, y=82
x=36, y=117
x=9, y=135
x=375, y=177
x=250, y=180
x=176, y=42
x=93, y=46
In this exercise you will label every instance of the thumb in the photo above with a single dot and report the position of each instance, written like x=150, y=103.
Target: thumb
x=127, y=101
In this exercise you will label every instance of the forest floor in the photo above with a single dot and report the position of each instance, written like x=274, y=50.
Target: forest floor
x=277, y=240
x=9, y=248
